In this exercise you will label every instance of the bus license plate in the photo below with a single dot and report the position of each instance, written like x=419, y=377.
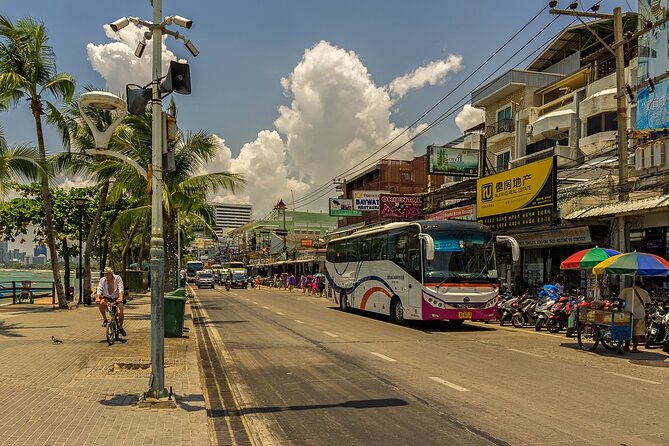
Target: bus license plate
x=464, y=314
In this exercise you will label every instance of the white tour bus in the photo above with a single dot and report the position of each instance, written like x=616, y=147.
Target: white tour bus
x=422, y=270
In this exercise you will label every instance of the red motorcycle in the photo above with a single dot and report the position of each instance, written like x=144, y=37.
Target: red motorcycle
x=559, y=318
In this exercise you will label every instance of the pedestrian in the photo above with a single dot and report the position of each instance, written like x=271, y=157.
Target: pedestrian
x=303, y=283
x=321, y=286
x=291, y=283
x=636, y=299
x=314, y=285
x=257, y=286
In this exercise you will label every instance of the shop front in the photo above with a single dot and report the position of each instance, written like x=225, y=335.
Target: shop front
x=542, y=251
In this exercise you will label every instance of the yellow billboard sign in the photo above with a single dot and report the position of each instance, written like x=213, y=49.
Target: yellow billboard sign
x=524, y=196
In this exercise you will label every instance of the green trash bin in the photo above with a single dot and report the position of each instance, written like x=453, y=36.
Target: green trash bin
x=175, y=307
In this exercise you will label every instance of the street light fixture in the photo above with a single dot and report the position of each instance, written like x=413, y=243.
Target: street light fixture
x=80, y=203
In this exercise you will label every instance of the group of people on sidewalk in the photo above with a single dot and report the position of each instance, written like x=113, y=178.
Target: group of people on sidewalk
x=308, y=283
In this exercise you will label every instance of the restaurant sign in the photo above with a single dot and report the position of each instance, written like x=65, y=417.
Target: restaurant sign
x=559, y=237
x=401, y=206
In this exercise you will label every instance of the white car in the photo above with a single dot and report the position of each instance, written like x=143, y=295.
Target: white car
x=204, y=278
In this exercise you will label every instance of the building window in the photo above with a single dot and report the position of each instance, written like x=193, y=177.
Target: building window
x=502, y=160
x=504, y=113
x=605, y=122
x=406, y=176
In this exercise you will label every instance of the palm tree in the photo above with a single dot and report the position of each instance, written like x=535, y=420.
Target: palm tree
x=28, y=70
x=16, y=164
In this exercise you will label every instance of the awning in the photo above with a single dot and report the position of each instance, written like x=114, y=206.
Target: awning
x=660, y=202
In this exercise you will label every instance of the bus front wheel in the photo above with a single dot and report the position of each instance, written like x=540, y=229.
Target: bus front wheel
x=343, y=302
x=397, y=311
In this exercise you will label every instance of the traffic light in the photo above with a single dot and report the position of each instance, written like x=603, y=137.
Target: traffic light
x=177, y=80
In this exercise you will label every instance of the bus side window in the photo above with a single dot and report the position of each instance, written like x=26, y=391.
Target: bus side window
x=377, y=249
x=413, y=249
x=397, y=247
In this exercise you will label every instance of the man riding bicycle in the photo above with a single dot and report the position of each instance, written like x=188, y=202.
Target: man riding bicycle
x=110, y=288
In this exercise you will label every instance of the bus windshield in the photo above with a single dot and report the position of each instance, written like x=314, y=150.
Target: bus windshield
x=461, y=256
x=193, y=266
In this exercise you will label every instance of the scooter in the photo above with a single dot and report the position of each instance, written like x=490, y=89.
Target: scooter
x=525, y=313
x=543, y=312
x=228, y=283
x=506, y=309
x=558, y=318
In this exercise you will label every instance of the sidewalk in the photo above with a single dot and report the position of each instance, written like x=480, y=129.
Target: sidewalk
x=83, y=392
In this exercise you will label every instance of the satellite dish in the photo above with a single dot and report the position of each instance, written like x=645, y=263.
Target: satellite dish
x=555, y=135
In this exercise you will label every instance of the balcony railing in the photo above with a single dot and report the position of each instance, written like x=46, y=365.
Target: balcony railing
x=502, y=126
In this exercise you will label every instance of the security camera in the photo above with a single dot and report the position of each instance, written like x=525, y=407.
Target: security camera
x=119, y=24
x=182, y=21
x=191, y=47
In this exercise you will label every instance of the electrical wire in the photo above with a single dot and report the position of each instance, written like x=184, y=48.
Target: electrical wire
x=434, y=106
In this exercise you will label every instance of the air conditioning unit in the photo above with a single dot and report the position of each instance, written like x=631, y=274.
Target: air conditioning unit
x=528, y=129
x=631, y=159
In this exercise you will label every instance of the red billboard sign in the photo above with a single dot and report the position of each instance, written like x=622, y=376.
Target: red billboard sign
x=401, y=206
x=306, y=242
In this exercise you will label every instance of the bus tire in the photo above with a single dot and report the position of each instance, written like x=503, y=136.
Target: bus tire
x=343, y=302
x=397, y=311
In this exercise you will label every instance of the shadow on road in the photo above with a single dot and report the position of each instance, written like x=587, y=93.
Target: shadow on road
x=121, y=400
x=355, y=404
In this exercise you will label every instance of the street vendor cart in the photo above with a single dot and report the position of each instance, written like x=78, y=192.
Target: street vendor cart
x=610, y=328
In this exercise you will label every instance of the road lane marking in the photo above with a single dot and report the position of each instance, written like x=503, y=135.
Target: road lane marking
x=266, y=308
x=331, y=334
x=387, y=358
x=449, y=384
x=526, y=331
x=279, y=313
x=526, y=353
x=633, y=377
x=256, y=303
x=299, y=321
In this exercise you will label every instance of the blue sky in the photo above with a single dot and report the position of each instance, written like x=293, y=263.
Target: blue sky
x=248, y=47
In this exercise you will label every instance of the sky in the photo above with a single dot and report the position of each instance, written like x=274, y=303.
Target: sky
x=300, y=92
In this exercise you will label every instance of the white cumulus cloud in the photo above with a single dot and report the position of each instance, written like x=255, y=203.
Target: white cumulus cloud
x=335, y=119
x=433, y=73
x=116, y=62
x=468, y=117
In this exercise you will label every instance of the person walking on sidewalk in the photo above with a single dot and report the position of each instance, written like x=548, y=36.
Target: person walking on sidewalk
x=110, y=287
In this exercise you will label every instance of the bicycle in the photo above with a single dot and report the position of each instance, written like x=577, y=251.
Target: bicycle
x=113, y=325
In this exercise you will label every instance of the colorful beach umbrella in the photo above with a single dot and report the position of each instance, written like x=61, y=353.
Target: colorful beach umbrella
x=634, y=263
x=587, y=258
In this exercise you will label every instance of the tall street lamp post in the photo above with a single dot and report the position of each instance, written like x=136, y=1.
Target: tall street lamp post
x=80, y=203
x=281, y=206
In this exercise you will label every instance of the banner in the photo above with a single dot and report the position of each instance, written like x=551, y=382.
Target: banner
x=451, y=161
x=460, y=213
x=401, y=206
x=559, y=237
x=652, y=110
x=524, y=196
x=306, y=242
x=343, y=207
x=366, y=200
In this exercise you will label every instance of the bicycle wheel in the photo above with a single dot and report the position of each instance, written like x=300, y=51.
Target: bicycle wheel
x=609, y=344
x=587, y=337
x=111, y=332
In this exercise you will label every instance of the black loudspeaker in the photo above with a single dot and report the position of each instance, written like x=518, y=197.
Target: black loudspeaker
x=177, y=80
x=137, y=98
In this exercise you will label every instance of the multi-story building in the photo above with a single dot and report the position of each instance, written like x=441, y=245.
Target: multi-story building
x=4, y=252
x=230, y=216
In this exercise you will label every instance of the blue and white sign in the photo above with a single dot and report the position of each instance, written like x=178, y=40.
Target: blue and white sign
x=366, y=200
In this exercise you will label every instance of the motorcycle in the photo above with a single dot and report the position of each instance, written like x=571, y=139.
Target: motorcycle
x=525, y=313
x=228, y=284
x=559, y=318
x=543, y=312
x=656, y=329
x=506, y=308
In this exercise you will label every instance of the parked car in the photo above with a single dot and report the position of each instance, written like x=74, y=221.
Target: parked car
x=204, y=278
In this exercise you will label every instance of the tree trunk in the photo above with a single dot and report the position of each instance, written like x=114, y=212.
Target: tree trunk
x=105, y=246
x=66, y=258
x=36, y=107
x=171, y=252
x=145, y=239
x=125, y=254
x=90, y=240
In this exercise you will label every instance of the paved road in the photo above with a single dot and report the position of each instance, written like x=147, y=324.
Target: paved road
x=307, y=373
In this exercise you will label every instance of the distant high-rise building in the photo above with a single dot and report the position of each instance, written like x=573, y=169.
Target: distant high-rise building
x=231, y=216
x=39, y=250
x=4, y=252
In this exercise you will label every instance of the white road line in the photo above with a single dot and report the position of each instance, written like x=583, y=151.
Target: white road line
x=526, y=353
x=389, y=359
x=299, y=321
x=633, y=377
x=331, y=334
x=527, y=331
x=279, y=313
x=266, y=308
x=256, y=303
x=449, y=384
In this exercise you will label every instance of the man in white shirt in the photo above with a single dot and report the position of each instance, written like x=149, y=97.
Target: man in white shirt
x=635, y=302
x=110, y=287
